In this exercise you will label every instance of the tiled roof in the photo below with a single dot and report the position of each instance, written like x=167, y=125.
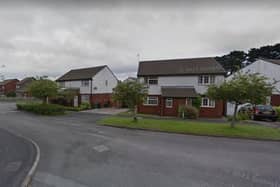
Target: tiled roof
x=177, y=91
x=81, y=74
x=173, y=67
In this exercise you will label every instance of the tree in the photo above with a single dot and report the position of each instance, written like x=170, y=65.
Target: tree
x=232, y=62
x=242, y=88
x=43, y=89
x=131, y=94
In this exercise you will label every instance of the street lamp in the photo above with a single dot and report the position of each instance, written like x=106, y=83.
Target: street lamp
x=2, y=77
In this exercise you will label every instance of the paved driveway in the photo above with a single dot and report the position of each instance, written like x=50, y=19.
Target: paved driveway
x=75, y=152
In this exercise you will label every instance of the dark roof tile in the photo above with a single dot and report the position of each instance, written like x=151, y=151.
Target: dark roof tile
x=81, y=74
x=180, y=67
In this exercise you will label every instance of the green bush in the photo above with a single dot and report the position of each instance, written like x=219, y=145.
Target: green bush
x=85, y=106
x=196, y=102
x=11, y=94
x=189, y=112
x=240, y=116
x=42, y=109
x=278, y=111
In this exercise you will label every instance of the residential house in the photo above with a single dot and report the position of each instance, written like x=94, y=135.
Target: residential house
x=8, y=86
x=95, y=84
x=22, y=87
x=265, y=67
x=130, y=79
x=176, y=82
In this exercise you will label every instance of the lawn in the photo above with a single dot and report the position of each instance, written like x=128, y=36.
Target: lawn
x=195, y=127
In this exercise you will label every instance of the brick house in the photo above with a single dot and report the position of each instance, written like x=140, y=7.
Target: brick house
x=176, y=82
x=22, y=87
x=95, y=84
x=8, y=86
x=268, y=68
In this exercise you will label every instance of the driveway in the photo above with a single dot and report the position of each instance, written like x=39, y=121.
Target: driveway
x=75, y=152
x=16, y=158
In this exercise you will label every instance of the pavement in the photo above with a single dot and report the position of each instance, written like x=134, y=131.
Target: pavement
x=75, y=152
x=107, y=111
x=16, y=159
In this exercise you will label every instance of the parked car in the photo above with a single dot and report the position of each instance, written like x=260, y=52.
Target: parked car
x=246, y=107
x=264, y=112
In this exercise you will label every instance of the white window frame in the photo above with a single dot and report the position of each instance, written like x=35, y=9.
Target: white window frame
x=85, y=83
x=210, y=78
x=152, y=79
x=169, y=103
x=210, y=103
x=151, y=98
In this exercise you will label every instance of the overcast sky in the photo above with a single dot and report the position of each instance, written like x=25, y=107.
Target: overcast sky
x=50, y=39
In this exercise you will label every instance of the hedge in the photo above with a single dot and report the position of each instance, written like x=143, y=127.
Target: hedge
x=42, y=109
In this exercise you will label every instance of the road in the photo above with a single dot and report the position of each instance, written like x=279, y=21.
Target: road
x=16, y=158
x=75, y=152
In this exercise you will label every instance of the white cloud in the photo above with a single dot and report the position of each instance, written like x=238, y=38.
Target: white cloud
x=49, y=41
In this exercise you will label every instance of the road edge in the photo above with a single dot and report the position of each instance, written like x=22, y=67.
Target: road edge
x=28, y=178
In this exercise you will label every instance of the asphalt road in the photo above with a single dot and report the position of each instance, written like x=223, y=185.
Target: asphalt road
x=16, y=159
x=75, y=152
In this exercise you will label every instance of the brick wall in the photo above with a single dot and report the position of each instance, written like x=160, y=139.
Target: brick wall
x=216, y=112
x=275, y=100
x=148, y=109
x=102, y=99
x=10, y=87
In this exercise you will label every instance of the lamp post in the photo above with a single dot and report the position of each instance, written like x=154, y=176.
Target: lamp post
x=2, y=77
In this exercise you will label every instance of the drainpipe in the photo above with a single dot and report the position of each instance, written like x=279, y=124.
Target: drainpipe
x=91, y=91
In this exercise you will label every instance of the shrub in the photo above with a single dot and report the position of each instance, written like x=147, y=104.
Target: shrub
x=196, y=102
x=42, y=109
x=85, y=106
x=107, y=104
x=188, y=112
x=11, y=94
x=278, y=111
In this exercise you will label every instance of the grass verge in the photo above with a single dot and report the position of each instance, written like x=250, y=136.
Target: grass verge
x=195, y=127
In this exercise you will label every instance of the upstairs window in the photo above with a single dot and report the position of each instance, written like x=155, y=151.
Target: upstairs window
x=62, y=84
x=106, y=83
x=206, y=79
x=85, y=83
x=151, y=80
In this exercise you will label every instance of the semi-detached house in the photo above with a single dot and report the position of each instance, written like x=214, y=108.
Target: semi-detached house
x=176, y=82
x=95, y=84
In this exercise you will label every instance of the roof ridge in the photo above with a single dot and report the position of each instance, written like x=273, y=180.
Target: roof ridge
x=89, y=67
x=175, y=59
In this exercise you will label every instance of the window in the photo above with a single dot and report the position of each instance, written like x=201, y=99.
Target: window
x=85, y=98
x=168, y=102
x=207, y=102
x=206, y=79
x=62, y=84
x=85, y=83
x=151, y=100
x=152, y=81
x=106, y=83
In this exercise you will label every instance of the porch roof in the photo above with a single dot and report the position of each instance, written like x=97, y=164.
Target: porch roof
x=178, y=91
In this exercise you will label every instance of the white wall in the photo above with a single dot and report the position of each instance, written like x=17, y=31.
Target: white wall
x=180, y=81
x=267, y=69
x=99, y=82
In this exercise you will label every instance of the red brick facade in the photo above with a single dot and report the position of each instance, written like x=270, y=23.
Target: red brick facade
x=162, y=110
x=275, y=100
x=8, y=87
x=100, y=99
x=216, y=112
